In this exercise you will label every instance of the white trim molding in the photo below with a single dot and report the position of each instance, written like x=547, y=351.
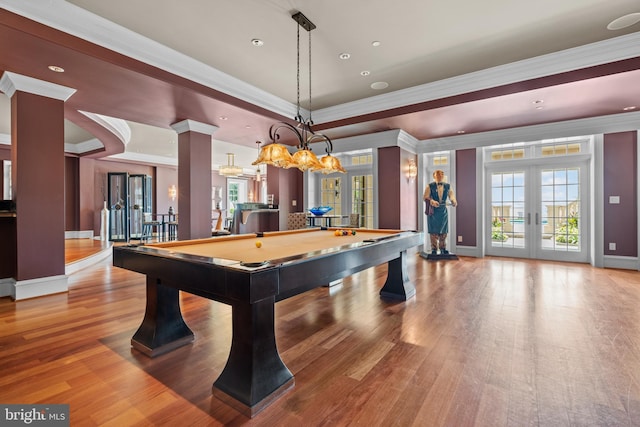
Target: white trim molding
x=83, y=147
x=24, y=289
x=621, y=262
x=12, y=82
x=120, y=128
x=194, y=126
x=79, y=22
x=6, y=287
x=588, y=126
x=74, y=20
x=141, y=158
x=589, y=55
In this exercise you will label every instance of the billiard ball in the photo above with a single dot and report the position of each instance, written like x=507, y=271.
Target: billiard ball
x=258, y=244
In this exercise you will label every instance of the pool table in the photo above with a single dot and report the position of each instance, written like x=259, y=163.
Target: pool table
x=235, y=271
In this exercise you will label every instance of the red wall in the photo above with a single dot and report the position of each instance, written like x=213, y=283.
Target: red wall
x=71, y=193
x=619, y=179
x=92, y=177
x=397, y=194
x=38, y=169
x=467, y=197
x=285, y=185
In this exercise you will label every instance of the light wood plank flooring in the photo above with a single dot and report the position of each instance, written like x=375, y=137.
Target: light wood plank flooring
x=77, y=249
x=486, y=342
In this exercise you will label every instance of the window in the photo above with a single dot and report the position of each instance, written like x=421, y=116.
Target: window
x=539, y=149
x=331, y=194
x=6, y=176
x=236, y=193
x=362, y=198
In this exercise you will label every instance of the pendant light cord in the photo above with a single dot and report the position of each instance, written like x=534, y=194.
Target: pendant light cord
x=310, y=119
x=298, y=115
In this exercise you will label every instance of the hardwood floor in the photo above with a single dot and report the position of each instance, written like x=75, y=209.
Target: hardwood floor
x=485, y=342
x=77, y=249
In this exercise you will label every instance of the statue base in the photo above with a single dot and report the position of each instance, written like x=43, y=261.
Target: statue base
x=438, y=256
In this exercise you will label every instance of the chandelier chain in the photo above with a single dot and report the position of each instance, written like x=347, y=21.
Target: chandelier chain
x=298, y=117
x=310, y=109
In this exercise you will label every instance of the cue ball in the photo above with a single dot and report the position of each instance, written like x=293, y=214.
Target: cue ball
x=258, y=244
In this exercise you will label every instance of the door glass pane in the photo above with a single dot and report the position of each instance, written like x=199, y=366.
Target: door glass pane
x=362, y=199
x=6, y=180
x=560, y=208
x=331, y=194
x=118, y=189
x=136, y=205
x=507, y=209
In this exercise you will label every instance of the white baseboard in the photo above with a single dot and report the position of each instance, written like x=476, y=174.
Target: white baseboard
x=470, y=251
x=79, y=234
x=622, y=262
x=6, y=287
x=23, y=289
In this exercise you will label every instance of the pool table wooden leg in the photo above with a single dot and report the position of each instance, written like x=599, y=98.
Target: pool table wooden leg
x=398, y=286
x=254, y=375
x=163, y=328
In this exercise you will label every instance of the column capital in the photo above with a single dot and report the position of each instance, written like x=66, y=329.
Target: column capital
x=12, y=82
x=192, y=125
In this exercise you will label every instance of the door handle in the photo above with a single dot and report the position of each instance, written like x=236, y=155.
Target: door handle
x=529, y=218
x=536, y=218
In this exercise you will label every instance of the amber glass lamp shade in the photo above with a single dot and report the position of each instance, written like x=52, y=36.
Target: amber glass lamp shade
x=274, y=155
x=331, y=164
x=304, y=160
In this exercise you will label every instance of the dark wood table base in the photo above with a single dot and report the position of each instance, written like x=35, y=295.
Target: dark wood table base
x=254, y=375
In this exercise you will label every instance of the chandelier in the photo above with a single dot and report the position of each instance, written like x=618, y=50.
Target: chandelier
x=230, y=169
x=276, y=154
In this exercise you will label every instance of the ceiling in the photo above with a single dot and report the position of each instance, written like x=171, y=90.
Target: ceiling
x=451, y=67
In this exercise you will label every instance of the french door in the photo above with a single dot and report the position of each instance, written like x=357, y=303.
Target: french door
x=352, y=193
x=538, y=211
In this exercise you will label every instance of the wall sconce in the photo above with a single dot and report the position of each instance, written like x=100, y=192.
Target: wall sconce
x=412, y=170
x=173, y=192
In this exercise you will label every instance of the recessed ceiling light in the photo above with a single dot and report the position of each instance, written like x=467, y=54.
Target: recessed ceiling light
x=460, y=132
x=247, y=126
x=344, y=55
x=624, y=21
x=629, y=108
x=257, y=42
x=365, y=73
x=375, y=43
x=379, y=85
x=56, y=69
x=223, y=117
x=539, y=107
x=538, y=101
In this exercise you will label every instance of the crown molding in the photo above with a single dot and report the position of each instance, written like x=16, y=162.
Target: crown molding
x=71, y=19
x=194, y=126
x=140, y=158
x=611, y=50
x=407, y=142
x=12, y=82
x=120, y=128
x=594, y=125
x=81, y=23
x=80, y=148
x=84, y=147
